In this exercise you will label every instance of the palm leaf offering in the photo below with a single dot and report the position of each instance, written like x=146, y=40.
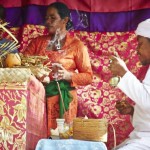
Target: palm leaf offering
x=8, y=46
x=37, y=64
x=33, y=60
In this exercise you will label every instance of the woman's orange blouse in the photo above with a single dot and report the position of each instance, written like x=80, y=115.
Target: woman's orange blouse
x=74, y=57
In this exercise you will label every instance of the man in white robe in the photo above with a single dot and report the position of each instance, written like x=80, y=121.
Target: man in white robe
x=139, y=92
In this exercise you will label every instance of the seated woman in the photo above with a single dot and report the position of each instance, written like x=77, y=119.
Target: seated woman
x=70, y=64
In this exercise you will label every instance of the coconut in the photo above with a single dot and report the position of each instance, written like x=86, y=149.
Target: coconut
x=12, y=60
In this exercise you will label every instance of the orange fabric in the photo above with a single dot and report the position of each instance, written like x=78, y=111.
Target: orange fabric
x=74, y=55
x=53, y=110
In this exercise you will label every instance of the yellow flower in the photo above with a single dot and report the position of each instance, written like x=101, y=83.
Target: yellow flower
x=118, y=33
x=2, y=107
x=83, y=33
x=7, y=130
x=138, y=64
x=105, y=69
x=85, y=95
x=95, y=62
x=105, y=45
x=104, y=38
x=25, y=39
x=97, y=47
x=106, y=93
x=112, y=97
x=20, y=143
x=122, y=46
x=96, y=110
x=105, y=85
x=111, y=49
x=31, y=27
x=95, y=94
x=21, y=109
x=106, y=109
x=96, y=78
x=106, y=101
x=110, y=33
x=112, y=112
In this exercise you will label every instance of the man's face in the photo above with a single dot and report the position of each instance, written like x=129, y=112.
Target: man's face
x=53, y=20
x=143, y=50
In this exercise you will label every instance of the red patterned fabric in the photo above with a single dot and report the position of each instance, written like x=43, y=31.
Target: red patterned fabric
x=98, y=99
x=30, y=32
x=22, y=115
x=13, y=117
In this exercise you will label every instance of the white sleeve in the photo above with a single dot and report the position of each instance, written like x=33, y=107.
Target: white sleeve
x=134, y=89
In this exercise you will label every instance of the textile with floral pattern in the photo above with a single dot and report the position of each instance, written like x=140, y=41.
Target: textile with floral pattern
x=13, y=117
x=22, y=115
x=98, y=99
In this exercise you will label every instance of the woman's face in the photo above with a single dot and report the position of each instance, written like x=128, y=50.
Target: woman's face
x=54, y=21
x=143, y=50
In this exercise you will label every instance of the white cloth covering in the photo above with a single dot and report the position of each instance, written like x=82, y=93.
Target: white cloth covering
x=132, y=146
x=69, y=144
x=143, y=28
x=139, y=138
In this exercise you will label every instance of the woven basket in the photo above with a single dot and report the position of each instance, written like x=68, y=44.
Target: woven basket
x=11, y=75
x=90, y=129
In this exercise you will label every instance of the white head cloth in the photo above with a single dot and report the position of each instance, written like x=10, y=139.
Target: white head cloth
x=143, y=28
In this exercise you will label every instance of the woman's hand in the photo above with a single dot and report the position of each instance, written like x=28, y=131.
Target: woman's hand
x=61, y=73
x=124, y=107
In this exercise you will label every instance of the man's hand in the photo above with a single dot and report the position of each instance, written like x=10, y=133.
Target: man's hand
x=117, y=66
x=124, y=107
